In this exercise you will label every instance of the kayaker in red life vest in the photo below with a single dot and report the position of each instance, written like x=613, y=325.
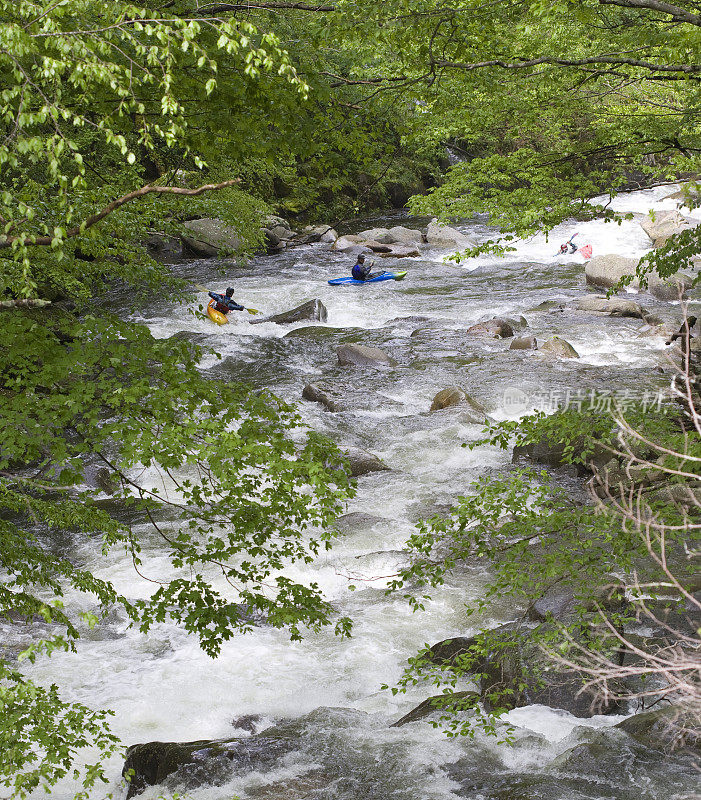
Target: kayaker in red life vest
x=225, y=303
x=361, y=270
x=569, y=246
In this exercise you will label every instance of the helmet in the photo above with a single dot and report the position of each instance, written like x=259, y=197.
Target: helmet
x=229, y=291
x=361, y=258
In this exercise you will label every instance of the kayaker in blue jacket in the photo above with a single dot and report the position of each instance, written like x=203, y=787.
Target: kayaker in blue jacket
x=361, y=270
x=225, y=303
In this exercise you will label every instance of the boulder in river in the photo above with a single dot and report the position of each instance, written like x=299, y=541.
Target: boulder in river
x=455, y=396
x=321, y=233
x=454, y=701
x=524, y=343
x=663, y=225
x=513, y=671
x=616, y=306
x=407, y=236
x=311, y=310
x=559, y=347
x=360, y=355
x=363, y=463
x=400, y=251
x=496, y=328
x=380, y=235
x=208, y=236
x=350, y=244
x=607, y=270
x=672, y=288
x=446, y=238
x=320, y=393
x=665, y=728
x=202, y=762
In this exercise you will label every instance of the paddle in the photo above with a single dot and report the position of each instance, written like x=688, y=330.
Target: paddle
x=201, y=288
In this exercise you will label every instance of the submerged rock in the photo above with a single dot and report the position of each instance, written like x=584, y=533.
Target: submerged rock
x=360, y=355
x=496, y=328
x=311, y=310
x=320, y=393
x=398, y=251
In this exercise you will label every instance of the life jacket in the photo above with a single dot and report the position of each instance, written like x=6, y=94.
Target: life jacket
x=359, y=272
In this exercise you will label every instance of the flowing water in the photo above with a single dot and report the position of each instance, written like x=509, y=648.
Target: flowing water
x=323, y=694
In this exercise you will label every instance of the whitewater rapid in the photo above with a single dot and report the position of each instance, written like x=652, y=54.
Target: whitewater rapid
x=162, y=687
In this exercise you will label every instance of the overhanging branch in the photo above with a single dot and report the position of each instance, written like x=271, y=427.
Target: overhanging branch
x=45, y=241
x=688, y=69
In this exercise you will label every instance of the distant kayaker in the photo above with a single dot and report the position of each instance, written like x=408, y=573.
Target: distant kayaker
x=225, y=303
x=361, y=270
x=569, y=246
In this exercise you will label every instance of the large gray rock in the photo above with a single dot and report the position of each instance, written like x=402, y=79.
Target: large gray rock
x=455, y=701
x=446, y=238
x=208, y=236
x=524, y=343
x=350, y=244
x=380, y=235
x=616, y=306
x=664, y=728
x=400, y=251
x=363, y=463
x=559, y=347
x=607, y=270
x=320, y=233
x=514, y=672
x=662, y=225
x=407, y=236
x=311, y=310
x=360, y=355
x=673, y=288
x=455, y=396
x=198, y=763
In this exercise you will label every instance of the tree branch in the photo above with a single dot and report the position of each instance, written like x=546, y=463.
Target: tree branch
x=677, y=13
x=45, y=241
x=216, y=8
x=565, y=62
x=6, y=305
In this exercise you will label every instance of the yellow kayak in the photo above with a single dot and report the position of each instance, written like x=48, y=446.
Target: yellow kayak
x=216, y=316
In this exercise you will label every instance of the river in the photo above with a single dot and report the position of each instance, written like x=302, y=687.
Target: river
x=327, y=692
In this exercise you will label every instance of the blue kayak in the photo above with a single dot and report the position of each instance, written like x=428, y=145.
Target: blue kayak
x=383, y=276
